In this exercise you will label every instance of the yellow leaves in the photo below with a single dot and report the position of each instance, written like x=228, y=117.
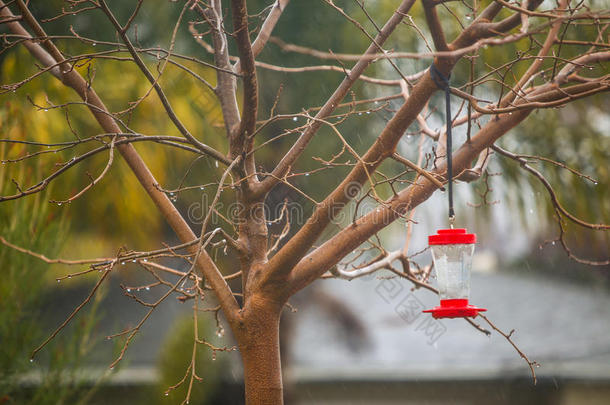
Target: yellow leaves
x=117, y=205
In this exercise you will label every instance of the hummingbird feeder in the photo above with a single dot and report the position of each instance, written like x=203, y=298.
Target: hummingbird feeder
x=452, y=249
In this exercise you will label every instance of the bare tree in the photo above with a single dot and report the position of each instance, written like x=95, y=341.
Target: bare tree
x=273, y=267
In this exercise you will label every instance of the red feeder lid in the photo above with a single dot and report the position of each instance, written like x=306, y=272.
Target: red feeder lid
x=455, y=308
x=452, y=237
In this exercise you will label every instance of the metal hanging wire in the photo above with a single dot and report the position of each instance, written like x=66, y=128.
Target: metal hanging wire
x=442, y=82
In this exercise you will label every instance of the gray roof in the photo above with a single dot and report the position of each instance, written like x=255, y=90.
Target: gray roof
x=563, y=326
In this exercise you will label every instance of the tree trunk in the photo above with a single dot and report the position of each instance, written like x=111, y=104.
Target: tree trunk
x=260, y=352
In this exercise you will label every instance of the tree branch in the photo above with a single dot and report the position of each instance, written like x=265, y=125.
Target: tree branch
x=73, y=79
x=434, y=24
x=242, y=141
x=329, y=253
x=155, y=83
x=283, y=167
x=296, y=248
x=268, y=26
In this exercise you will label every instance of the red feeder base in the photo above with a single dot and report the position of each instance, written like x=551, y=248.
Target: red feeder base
x=457, y=308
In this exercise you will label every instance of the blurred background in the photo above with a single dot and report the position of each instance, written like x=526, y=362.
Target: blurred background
x=345, y=342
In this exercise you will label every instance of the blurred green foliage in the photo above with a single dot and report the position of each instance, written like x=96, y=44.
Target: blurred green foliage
x=176, y=356
x=53, y=378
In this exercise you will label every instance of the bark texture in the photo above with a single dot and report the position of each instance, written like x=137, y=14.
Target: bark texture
x=259, y=346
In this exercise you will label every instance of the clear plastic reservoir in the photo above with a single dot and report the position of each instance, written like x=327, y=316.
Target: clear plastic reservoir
x=452, y=263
